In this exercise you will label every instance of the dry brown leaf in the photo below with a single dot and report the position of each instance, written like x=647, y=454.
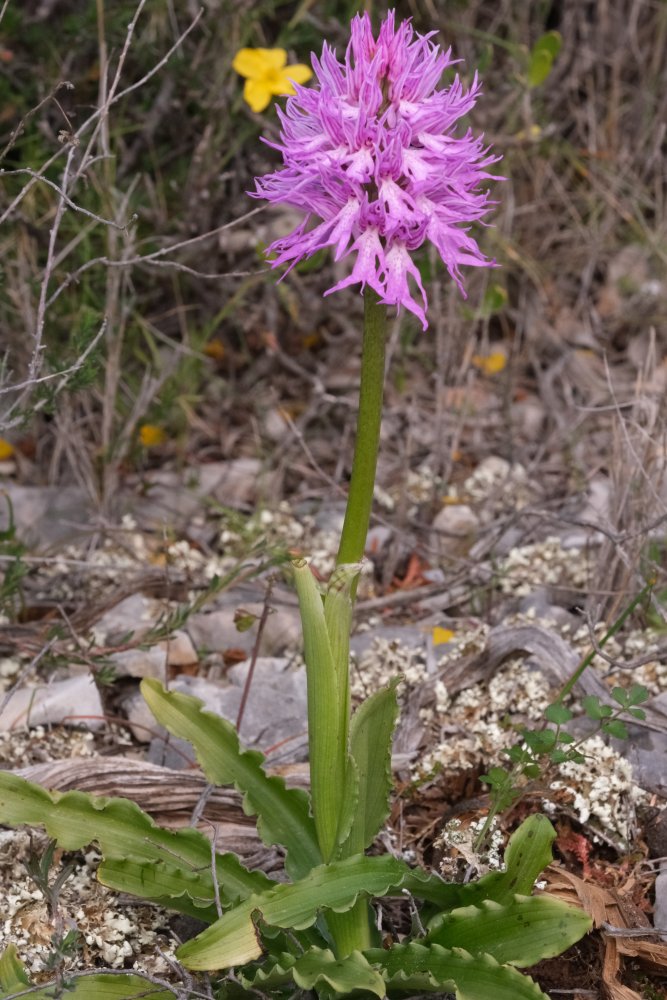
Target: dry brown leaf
x=608, y=906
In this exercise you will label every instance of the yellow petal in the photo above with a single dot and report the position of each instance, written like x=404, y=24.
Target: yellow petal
x=257, y=93
x=442, y=635
x=490, y=364
x=151, y=435
x=299, y=73
x=6, y=450
x=256, y=63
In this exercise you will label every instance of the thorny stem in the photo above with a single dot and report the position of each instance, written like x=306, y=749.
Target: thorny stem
x=360, y=496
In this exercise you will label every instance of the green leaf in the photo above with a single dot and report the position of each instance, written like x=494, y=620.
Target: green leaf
x=558, y=714
x=233, y=939
x=370, y=741
x=327, y=726
x=638, y=694
x=637, y=713
x=282, y=813
x=527, y=855
x=123, y=832
x=342, y=975
x=338, y=620
x=417, y=968
x=190, y=892
x=620, y=696
x=99, y=986
x=13, y=977
x=615, y=728
x=274, y=972
x=594, y=709
x=541, y=57
x=540, y=740
x=521, y=932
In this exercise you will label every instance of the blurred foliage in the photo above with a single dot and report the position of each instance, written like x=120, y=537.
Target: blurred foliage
x=184, y=149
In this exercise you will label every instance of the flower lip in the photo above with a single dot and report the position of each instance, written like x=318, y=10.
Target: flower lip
x=374, y=151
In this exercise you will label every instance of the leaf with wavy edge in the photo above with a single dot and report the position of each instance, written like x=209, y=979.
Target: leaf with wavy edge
x=527, y=855
x=233, y=940
x=320, y=967
x=167, y=884
x=417, y=968
x=100, y=986
x=13, y=977
x=317, y=969
x=370, y=746
x=123, y=831
x=520, y=933
x=283, y=814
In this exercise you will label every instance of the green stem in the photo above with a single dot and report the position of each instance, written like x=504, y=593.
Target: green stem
x=360, y=496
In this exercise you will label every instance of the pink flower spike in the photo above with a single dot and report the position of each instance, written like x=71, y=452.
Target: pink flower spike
x=373, y=152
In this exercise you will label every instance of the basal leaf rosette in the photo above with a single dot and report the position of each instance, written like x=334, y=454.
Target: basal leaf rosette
x=373, y=155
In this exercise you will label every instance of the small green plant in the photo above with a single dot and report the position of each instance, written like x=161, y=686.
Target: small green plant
x=539, y=749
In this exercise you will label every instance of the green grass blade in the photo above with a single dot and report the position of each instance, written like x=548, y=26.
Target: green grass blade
x=283, y=815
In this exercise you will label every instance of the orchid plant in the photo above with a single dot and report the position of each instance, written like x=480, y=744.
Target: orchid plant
x=371, y=155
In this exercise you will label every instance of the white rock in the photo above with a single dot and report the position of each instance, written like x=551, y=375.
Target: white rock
x=217, y=632
x=135, y=614
x=454, y=529
x=179, y=650
x=141, y=662
x=74, y=702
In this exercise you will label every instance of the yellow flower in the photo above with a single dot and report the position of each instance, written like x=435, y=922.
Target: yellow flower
x=490, y=364
x=267, y=76
x=6, y=450
x=151, y=436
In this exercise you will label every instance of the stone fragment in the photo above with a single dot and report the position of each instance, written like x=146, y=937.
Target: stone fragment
x=275, y=711
x=175, y=497
x=216, y=631
x=179, y=650
x=73, y=702
x=150, y=662
x=45, y=516
x=134, y=615
x=454, y=529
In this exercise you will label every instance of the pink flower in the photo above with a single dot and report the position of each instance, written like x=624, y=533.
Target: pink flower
x=371, y=151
